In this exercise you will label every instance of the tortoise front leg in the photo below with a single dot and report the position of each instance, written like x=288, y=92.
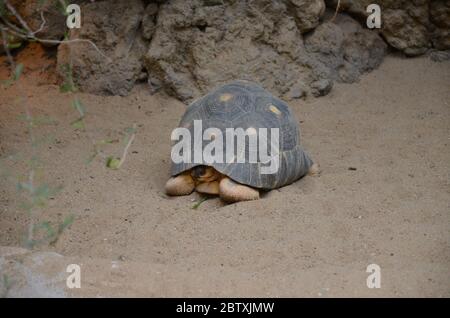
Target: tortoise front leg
x=231, y=191
x=183, y=184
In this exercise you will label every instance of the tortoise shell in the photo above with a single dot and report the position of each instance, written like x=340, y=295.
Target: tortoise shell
x=243, y=104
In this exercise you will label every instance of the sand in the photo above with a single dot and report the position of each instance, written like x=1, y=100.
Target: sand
x=313, y=238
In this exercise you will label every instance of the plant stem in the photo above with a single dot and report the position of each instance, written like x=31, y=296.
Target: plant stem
x=29, y=120
x=125, y=150
x=337, y=10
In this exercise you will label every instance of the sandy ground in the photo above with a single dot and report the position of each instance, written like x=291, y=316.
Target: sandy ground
x=313, y=238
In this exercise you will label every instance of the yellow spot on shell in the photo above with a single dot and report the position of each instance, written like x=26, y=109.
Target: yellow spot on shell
x=225, y=97
x=251, y=131
x=274, y=110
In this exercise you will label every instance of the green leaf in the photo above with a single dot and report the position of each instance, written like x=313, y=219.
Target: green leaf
x=66, y=87
x=42, y=191
x=76, y=103
x=45, y=225
x=26, y=206
x=130, y=130
x=61, y=227
x=18, y=71
x=24, y=186
x=78, y=124
x=14, y=45
x=6, y=282
x=66, y=223
x=62, y=6
x=197, y=204
x=16, y=75
x=112, y=163
x=107, y=141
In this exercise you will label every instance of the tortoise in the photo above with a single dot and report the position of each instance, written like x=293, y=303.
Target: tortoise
x=240, y=104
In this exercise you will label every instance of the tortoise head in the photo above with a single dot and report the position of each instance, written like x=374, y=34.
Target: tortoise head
x=204, y=174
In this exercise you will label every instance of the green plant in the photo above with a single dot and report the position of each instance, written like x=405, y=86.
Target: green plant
x=36, y=195
x=197, y=204
x=5, y=286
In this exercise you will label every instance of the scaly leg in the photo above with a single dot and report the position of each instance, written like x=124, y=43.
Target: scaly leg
x=231, y=191
x=183, y=184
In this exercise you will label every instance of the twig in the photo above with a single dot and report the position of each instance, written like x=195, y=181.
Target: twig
x=74, y=41
x=11, y=26
x=336, y=12
x=48, y=41
x=125, y=150
x=30, y=35
x=18, y=16
x=42, y=24
x=31, y=223
x=27, y=34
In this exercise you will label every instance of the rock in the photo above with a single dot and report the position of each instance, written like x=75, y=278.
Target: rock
x=296, y=91
x=212, y=2
x=440, y=56
x=149, y=20
x=118, y=36
x=196, y=48
x=409, y=26
x=344, y=49
x=404, y=32
x=325, y=46
x=321, y=87
x=364, y=49
x=440, y=19
x=307, y=13
x=27, y=274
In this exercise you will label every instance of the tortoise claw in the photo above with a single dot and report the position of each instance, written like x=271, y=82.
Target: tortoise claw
x=314, y=170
